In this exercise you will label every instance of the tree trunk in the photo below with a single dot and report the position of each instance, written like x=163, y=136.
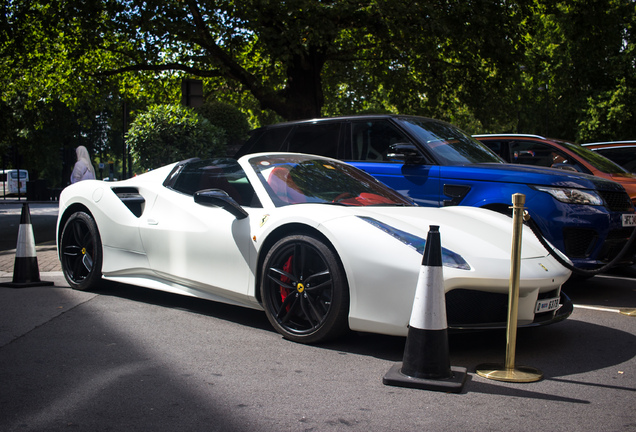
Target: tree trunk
x=302, y=97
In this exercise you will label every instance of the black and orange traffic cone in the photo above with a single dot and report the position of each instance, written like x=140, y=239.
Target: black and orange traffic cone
x=26, y=272
x=426, y=362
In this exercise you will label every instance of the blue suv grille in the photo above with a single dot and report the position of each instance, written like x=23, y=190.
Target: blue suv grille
x=616, y=201
x=614, y=244
x=579, y=242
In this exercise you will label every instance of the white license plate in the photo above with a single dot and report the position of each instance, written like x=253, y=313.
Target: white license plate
x=629, y=220
x=547, y=305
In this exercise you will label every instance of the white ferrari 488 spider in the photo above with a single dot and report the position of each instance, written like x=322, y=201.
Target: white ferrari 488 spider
x=318, y=244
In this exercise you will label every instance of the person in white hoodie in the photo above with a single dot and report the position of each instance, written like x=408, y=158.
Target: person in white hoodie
x=83, y=169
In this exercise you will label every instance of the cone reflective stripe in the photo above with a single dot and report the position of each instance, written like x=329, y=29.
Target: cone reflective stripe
x=426, y=362
x=431, y=274
x=25, y=269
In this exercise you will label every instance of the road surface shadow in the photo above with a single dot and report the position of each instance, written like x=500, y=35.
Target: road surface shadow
x=566, y=348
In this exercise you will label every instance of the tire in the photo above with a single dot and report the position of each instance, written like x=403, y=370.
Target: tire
x=304, y=291
x=81, y=252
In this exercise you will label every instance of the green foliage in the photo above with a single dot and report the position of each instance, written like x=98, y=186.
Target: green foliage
x=169, y=133
x=578, y=54
x=610, y=116
x=70, y=70
x=305, y=59
x=228, y=118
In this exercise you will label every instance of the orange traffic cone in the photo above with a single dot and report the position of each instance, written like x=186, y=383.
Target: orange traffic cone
x=426, y=362
x=26, y=272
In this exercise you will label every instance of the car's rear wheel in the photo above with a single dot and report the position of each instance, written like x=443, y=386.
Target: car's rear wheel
x=81, y=252
x=304, y=290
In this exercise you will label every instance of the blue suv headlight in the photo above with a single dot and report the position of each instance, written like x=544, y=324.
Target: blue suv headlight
x=572, y=196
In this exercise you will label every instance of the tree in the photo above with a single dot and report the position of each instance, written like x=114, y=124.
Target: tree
x=581, y=55
x=52, y=100
x=283, y=53
x=611, y=115
x=477, y=63
x=229, y=119
x=168, y=133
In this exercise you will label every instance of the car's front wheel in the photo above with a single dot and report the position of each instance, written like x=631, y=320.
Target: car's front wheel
x=304, y=290
x=81, y=252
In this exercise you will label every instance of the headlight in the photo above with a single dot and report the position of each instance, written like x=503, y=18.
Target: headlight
x=572, y=196
x=449, y=258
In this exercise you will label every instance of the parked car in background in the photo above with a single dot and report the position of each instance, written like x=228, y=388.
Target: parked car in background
x=13, y=183
x=434, y=163
x=621, y=152
x=539, y=151
x=317, y=244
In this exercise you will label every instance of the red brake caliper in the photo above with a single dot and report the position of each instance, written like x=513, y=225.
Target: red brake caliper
x=284, y=292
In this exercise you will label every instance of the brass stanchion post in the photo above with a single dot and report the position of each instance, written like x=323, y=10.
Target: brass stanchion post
x=508, y=371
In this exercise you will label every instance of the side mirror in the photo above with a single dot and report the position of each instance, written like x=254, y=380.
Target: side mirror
x=406, y=153
x=219, y=198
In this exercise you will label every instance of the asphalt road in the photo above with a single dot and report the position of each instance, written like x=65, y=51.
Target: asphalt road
x=127, y=358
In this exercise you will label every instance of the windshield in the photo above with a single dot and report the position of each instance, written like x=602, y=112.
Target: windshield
x=296, y=179
x=448, y=144
x=598, y=161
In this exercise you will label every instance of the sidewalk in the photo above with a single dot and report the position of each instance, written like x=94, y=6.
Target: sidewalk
x=46, y=255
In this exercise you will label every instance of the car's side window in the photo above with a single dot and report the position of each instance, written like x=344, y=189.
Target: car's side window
x=498, y=147
x=371, y=139
x=319, y=139
x=537, y=153
x=623, y=156
x=224, y=174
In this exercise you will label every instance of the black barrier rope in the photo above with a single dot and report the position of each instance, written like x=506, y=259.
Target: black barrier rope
x=537, y=232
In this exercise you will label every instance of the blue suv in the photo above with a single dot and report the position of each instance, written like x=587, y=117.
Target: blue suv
x=434, y=163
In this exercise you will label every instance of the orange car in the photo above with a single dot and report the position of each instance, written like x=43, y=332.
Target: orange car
x=540, y=151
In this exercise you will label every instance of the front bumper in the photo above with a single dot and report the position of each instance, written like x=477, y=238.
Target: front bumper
x=478, y=310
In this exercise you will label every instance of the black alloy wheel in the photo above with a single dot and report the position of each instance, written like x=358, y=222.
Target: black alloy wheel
x=304, y=290
x=81, y=252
